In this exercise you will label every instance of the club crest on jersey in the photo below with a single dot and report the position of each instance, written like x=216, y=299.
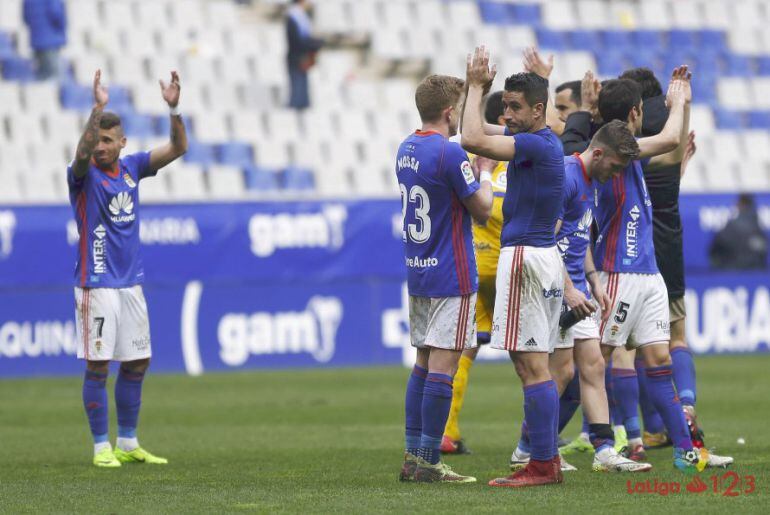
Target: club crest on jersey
x=467, y=172
x=502, y=180
x=129, y=181
x=122, y=203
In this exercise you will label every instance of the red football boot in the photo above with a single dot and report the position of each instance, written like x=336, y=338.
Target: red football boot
x=536, y=473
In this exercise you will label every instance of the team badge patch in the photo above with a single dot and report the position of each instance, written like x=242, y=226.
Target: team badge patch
x=467, y=172
x=129, y=181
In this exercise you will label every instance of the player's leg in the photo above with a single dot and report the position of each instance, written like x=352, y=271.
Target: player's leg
x=527, y=315
x=413, y=411
x=591, y=368
x=96, y=326
x=452, y=442
x=654, y=433
x=450, y=330
x=684, y=368
x=133, y=350
x=625, y=388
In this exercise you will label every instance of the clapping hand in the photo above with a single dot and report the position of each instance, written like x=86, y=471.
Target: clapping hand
x=170, y=91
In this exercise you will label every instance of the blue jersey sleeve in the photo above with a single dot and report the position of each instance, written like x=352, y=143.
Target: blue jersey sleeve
x=458, y=171
x=74, y=183
x=529, y=146
x=139, y=165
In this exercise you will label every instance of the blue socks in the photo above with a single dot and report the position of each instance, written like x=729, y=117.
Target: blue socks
x=568, y=403
x=650, y=416
x=541, y=406
x=661, y=388
x=626, y=388
x=684, y=374
x=616, y=419
x=95, y=403
x=128, y=399
x=413, y=404
x=436, y=401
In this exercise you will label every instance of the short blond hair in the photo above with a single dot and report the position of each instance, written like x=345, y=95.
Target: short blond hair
x=435, y=93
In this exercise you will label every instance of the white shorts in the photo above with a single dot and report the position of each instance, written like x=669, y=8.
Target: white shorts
x=112, y=324
x=586, y=329
x=443, y=322
x=530, y=287
x=639, y=309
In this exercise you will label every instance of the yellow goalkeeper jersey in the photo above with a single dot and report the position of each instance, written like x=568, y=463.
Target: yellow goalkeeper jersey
x=486, y=238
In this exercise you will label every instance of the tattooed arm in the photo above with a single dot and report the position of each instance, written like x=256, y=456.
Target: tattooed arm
x=90, y=136
x=177, y=145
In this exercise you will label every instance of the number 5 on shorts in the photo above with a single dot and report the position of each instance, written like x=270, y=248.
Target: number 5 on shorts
x=622, y=312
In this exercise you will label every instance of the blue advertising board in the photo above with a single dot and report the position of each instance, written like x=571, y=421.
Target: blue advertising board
x=305, y=284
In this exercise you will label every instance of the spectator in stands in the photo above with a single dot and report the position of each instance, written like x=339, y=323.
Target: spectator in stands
x=741, y=244
x=303, y=48
x=47, y=22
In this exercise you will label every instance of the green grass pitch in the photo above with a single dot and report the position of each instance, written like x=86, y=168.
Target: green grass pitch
x=327, y=441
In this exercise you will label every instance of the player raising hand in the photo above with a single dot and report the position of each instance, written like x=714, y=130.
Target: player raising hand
x=111, y=312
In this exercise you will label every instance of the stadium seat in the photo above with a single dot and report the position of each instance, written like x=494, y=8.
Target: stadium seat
x=225, y=182
x=298, y=179
x=758, y=120
x=11, y=193
x=186, y=181
x=137, y=125
x=17, y=68
x=495, y=12
x=261, y=179
x=155, y=189
x=43, y=186
x=589, y=40
x=729, y=120
x=235, y=153
x=200, y=153
x=554, y=40
x=558, y=14
x=525, y=14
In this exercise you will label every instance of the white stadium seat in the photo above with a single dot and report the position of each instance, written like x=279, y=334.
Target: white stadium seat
x=225, y=182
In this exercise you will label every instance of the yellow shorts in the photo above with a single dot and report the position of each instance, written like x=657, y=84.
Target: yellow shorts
x=485, y=307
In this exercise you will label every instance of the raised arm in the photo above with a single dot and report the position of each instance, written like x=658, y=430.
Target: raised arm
x=90, y=136
x=177, y=144
x=689, y=151
x=474, y=137
x=667, y=147
x=535, y=64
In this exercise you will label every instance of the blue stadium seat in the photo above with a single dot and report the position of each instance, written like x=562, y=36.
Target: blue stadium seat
x=201, y=153
x=260, y=179
x=712, y=39
x=616, y=39
x=551, y=39
x=649, y=40
x=120, y=98
x=17, y=68
x=682, y=39
x=76, y=96
x=585, y=40
x=235, y=153
x=703, y=88
x=611, y=64
x=642, y=58
x=7, y=48
x=495, y=12
x=706, y=61
x=525, y=14
x=726, y=119
x=299, y=179
x=735, y=65
x=135, y=125
x=162, y=125
x=763, y=65
x=759, y=120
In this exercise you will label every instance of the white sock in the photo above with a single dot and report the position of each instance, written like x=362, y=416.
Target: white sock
x=584, y=436
x=633, y=442
x=604, y=453
x=98, y=447
x=127, y=444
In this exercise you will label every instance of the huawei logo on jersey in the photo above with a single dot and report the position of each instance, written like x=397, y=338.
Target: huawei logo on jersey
x=122, y=202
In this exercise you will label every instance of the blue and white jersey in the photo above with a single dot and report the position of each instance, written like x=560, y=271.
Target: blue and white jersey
x=106, y=207
x=624, y=217
x=577, y=214
x=535, y=189
x=434, y=175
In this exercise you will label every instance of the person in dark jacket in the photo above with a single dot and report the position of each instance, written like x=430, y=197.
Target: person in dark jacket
x=47, y=22
x=303, y=48
x=741, y=244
